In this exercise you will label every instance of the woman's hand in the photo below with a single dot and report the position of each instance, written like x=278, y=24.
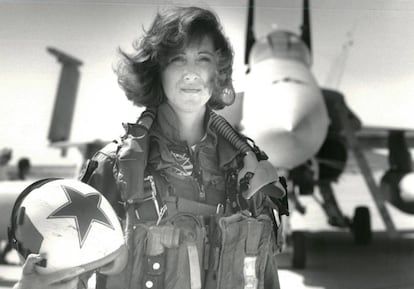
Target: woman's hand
x=31, y=279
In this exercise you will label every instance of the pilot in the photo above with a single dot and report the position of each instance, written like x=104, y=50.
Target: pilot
x=196, y=198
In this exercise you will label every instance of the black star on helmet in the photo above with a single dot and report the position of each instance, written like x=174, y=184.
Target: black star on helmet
x=84, y=209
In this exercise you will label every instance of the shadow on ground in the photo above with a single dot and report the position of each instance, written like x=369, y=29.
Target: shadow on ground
x=335, y=262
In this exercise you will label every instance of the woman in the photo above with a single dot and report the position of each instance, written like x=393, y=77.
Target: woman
x=187, y=197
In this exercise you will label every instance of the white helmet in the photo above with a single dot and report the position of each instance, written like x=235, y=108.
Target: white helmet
x=69, y=222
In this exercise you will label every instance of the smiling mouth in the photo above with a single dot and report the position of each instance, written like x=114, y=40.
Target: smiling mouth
x=190, y=90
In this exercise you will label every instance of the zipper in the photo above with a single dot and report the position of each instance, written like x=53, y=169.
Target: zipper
x=202, y=193
x=198, y=174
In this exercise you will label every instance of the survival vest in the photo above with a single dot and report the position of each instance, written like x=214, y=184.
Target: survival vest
x=180, y=244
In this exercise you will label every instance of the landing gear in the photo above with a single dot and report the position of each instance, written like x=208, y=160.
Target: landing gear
x=361, y=226
x=299, y=250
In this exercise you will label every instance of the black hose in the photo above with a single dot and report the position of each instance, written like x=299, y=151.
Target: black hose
x=225, y=129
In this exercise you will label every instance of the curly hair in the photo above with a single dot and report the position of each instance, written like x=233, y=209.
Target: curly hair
x=139, y=73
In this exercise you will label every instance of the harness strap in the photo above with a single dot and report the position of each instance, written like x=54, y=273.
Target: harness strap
x=254, y=231
x=150, y=206
x=176, y=204
x=159, y=238
x=194, y=264
x=154, y=272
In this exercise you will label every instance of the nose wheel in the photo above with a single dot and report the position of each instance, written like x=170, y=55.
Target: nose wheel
x=361, y=226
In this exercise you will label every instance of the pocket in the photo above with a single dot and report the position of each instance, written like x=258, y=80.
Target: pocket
x=184, y=265
x=130, y=163
x=246, y=247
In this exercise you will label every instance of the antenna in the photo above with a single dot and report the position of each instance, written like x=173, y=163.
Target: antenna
x=250, y=39
x=306, y=25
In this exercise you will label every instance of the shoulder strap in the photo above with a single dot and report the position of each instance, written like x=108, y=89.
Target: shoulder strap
x=132, y=156
x=108, y=170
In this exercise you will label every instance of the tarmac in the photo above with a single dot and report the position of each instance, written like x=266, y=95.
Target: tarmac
x=333, y=260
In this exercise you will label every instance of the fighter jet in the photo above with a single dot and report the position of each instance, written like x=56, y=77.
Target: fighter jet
x=308, y=130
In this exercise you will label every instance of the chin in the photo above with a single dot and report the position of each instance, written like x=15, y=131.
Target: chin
x=193, y=105
x=193, y=108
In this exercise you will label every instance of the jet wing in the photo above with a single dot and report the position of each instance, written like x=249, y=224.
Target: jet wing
x=377, y=137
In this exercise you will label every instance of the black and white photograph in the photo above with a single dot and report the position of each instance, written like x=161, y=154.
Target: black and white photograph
x=194, y=144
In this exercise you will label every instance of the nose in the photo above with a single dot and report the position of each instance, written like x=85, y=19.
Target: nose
x=191, y=72
x=191, y=76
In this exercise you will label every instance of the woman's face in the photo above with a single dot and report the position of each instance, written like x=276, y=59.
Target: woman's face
x=189, y=75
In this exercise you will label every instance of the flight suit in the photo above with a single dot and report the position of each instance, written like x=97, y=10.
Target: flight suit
x=197, y=238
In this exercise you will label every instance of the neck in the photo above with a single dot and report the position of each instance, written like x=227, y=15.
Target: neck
x=191, y=126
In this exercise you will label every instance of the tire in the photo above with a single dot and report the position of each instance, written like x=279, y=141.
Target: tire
x=299, y=250
x=361, y=226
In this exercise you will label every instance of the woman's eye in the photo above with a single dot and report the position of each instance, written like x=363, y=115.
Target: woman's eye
x=205, y=59
x=177, y=59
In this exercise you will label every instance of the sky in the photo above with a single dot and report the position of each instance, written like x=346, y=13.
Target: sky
x=375, y=73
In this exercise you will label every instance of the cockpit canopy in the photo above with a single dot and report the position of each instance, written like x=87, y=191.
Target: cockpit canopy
x=280, y=44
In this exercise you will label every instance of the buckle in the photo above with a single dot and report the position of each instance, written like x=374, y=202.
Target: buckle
x=150, y=208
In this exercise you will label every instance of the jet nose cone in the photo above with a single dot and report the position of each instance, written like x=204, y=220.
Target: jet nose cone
x=299, y=105
x=284, y=112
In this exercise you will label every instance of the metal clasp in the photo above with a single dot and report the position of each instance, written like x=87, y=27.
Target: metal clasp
x=153, y=198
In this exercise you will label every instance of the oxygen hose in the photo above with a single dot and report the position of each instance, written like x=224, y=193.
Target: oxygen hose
x=221, y=125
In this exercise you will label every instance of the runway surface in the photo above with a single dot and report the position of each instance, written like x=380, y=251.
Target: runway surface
x=333, y=260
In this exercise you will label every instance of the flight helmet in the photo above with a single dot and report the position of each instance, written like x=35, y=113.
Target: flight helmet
x=71, y=224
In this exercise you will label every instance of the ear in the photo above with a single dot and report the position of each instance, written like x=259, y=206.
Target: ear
x=228, y=95
x=117, y=264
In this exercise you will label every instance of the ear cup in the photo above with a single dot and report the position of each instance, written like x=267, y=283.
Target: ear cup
x=13, y=218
